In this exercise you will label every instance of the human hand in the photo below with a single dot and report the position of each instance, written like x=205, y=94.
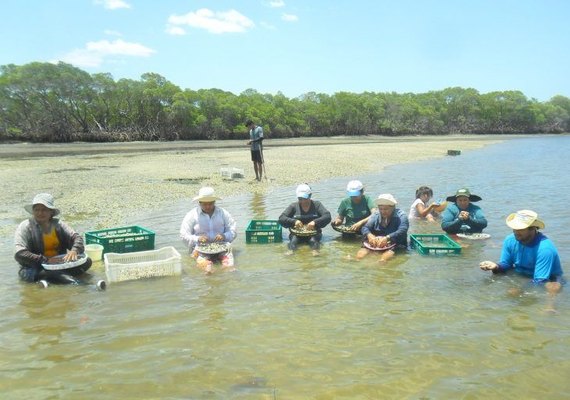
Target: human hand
x=298, y=224
x=488, y=266
x=219, y=238
x=464, y=215
x=355, y=227
x=311, y=226
x=337, y=221
x=70, y=256
x=202, y=239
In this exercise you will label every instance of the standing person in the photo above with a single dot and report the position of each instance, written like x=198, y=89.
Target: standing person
x=386, y=227
x=420, y=208
x=41, y=238
x=529, y=252
x=208, y=223
x=256, y=143
x=308, y=214
x=355, y=209
x=463, y=215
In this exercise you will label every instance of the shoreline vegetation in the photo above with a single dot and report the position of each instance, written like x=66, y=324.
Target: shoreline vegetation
x=100, y=186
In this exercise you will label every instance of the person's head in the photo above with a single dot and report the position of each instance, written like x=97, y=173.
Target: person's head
x=207, y=199
x=42, y=208
x=462, y=198
x=355, y=190
x=303, y=193
x=525, y=224
x=424, y=192
x=386, y=205
x=249, y=123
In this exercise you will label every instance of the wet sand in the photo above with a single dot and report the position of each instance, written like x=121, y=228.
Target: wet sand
x=101, y=185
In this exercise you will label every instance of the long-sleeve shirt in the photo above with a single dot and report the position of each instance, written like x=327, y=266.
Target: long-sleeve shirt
x=396, y=229
x=197, y=223
x=29, y=244
x=538, y=259
x=451, y=223
x=317, y=213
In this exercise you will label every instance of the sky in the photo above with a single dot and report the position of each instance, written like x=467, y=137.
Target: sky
x=300, y=46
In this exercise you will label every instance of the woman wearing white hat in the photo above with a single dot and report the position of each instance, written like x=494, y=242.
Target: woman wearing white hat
x=208, y=223
x=386, y=229
x=305, y=213
x=355, y=209
x=41, y=238
x=529, y=252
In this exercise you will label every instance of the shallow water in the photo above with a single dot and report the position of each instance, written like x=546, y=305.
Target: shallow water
x=312, y=327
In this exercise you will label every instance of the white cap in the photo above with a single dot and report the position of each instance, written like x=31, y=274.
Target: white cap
x=354, y=188
x=386, y=199
x=304, y=191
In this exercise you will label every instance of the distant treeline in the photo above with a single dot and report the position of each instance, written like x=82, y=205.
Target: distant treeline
x=46, y=102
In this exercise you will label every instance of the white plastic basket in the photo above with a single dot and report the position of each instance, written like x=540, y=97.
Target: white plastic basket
x=142, y=264
x=231, y=173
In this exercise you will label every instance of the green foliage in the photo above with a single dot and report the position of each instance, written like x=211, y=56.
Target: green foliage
x=60, y=103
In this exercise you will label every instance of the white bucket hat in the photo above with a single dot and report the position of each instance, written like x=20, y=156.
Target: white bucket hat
x=303, y=191
x=354, y=188
x=523, y=219
x=386, y=199
x=43, y=198
x=206, y=195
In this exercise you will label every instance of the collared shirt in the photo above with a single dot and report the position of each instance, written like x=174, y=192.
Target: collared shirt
x=197, y=223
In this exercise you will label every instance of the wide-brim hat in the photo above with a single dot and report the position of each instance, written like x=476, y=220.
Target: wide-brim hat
x=523, y=219
x=465, y=193
x=206, y=195
x=43, y=198
x=386, y=199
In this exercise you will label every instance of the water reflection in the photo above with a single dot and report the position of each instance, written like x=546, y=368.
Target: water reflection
x=257, y=206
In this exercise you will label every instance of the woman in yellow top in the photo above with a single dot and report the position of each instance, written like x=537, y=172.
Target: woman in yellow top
x=39, y=239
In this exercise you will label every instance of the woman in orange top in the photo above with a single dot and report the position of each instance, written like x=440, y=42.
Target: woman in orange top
x=39, y=239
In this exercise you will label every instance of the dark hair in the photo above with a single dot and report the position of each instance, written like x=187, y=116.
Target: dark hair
x=424, y=190
x=248, y=122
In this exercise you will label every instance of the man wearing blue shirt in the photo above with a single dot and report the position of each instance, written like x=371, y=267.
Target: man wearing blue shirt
x=256, y=143
x=529, y=252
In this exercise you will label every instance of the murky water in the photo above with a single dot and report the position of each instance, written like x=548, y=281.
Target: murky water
x=303, y=327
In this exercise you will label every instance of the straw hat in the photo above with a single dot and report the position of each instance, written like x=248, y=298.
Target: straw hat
x=206, y=195
x=43, y=198
x=354, y=188
x=523, y=219
x=465, y=193
x=386, y=199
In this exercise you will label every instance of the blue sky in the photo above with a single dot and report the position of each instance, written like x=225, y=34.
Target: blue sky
x=300, y=46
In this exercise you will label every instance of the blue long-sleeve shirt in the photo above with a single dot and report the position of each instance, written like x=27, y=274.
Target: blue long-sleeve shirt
x=451, y=223
x=538, y=260
x=396, y=230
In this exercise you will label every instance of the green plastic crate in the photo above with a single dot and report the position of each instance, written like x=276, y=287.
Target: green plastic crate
x=434, y=244
x=263, y=231
x=126, y=239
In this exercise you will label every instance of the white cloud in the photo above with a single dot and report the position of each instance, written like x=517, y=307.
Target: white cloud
x=277, y=3
x=95, y=53
x=289, y=17
x=112, y=33
x=113, y=4
x=214, y=22
x=175, y=30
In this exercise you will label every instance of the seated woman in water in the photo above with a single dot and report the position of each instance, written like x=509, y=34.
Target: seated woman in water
x=420, y=208
x=386, y=230
x=41, y=239
x=355, y=209
x=463, y=216
x=305, y=215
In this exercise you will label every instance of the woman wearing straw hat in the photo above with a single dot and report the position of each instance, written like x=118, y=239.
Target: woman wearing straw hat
x=386, y=230
x=41, y=238
x=463, y=215
x=529, y=252
x=208, y=223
